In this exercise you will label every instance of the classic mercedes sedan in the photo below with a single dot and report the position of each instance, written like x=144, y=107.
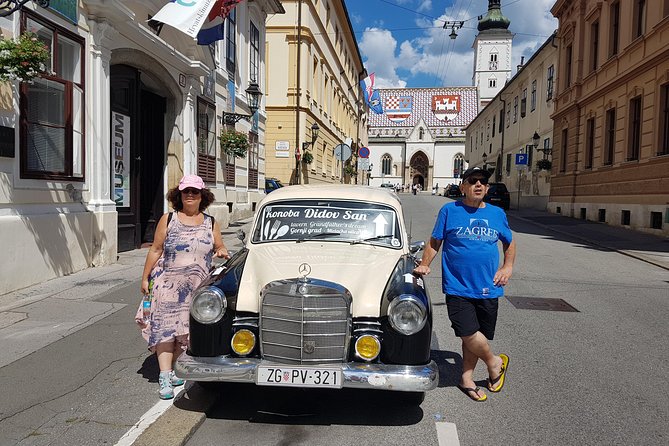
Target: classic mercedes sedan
x=322, y=295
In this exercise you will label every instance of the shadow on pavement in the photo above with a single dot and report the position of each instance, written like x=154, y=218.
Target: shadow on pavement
x=270, y=405
x=450, y=367
x=149, y=369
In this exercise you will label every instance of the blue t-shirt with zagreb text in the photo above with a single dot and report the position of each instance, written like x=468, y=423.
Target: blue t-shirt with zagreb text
x=470, y=256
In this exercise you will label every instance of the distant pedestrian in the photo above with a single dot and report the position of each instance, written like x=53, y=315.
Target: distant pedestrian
x=178, y=260
x=471, y=279
x=414, y=189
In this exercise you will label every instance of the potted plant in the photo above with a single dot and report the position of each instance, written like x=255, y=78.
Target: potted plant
x=23, y=59
x=349, y=170
x=544, y=164
x=234, y=143
x=307, y=157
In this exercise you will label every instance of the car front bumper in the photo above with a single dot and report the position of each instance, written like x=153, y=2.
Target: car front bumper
x=404, y=378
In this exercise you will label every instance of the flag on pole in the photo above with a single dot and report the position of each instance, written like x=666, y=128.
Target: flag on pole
x=187, y=16
x=212, y=30
x=371, y=96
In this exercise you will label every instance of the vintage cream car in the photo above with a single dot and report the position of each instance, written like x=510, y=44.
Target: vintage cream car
x=322, y=295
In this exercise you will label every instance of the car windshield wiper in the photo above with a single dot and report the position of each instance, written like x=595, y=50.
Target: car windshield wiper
x=371, y=239
x=318, y=235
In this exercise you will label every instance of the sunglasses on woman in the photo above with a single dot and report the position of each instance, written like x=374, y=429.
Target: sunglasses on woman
x=473, y=180
x=191, y=191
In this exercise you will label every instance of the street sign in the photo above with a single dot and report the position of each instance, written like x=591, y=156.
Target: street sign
x=521, y=158
x=363, y=163
x=363, y=152
x=342, y=152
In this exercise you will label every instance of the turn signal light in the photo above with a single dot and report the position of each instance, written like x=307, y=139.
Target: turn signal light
x=367, y=347
x=243, y=342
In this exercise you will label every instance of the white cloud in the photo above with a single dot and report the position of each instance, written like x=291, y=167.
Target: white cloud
x=451, y=61
x=425, y=5
x=379, y=47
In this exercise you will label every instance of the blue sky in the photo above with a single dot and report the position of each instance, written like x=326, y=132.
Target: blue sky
x=403, y=41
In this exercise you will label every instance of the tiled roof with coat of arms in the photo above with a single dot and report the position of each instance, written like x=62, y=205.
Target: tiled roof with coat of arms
x=438, y=107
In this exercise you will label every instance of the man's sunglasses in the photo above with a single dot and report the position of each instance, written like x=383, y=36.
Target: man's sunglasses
x=473, y=180
x=191, y=191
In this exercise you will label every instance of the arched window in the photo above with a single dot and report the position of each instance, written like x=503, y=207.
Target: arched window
x=458, y=165
x=421, y=133
x=386, y=164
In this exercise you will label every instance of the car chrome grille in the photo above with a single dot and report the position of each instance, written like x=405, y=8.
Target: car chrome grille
x=305, y=323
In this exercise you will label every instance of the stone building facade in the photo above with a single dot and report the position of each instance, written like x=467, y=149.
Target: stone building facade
x=611, y=119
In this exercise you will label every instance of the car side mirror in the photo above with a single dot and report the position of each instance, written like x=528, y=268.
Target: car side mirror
x=241, y=235
x=416, y=246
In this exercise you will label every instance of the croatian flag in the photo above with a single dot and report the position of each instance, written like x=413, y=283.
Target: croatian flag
x=371, y=96
x=213, y=30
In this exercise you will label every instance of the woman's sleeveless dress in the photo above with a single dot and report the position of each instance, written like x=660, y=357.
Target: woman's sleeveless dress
x=184, y=264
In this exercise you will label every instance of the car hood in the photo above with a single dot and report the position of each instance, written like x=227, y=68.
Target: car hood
x=362, y=269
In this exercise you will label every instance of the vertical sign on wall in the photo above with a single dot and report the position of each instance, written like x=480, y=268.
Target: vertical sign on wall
x=121, y=158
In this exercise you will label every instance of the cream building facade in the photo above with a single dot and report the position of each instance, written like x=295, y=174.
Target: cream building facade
x=611, y=131
x=89, y=152
x=507, y=126
x=313, y=81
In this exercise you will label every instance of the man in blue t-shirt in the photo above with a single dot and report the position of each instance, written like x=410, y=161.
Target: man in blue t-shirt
x=471, y=279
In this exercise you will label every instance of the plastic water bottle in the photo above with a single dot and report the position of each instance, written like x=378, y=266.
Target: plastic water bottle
x=146, y=304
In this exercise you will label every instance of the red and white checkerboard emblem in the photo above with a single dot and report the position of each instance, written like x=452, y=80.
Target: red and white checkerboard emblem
x=398, y=108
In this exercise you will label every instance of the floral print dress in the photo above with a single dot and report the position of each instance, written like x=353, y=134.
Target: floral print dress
x=184, y=264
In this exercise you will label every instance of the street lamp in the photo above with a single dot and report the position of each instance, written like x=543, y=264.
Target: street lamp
x=315, y=129
x=545, y=150
x=9, y=7
x=453, y=26
x=314, y=135
x=253, y=95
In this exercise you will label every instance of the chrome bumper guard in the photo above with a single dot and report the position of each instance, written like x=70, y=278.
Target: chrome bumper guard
x=404, y=378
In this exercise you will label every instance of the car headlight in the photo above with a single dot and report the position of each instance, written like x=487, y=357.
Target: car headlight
x=209, y=305
x=407, y=314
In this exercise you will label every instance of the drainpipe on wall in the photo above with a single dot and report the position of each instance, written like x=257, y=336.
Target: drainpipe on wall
x=297, y=91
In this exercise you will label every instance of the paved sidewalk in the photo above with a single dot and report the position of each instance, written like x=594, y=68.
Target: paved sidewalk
x=647, y=247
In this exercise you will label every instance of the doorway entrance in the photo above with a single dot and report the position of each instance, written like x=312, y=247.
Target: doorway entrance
x=418, y=169
x=138, y=156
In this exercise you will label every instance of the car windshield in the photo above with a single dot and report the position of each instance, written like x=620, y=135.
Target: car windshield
x=328, y=220
x=497, y=189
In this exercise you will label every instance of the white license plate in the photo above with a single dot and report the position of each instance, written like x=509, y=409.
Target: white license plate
x=299, y=376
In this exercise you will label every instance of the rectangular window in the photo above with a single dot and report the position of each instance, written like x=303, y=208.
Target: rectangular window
x=515, y=109
x=590, y=142
x=665, y=9
x=568, y=66
x=625, y=217
x=639, y=17
x=508, y=164
x=550, y=73
x=610, y=140
x=533, y=98
x=663, y=149
x=492, y=83
x=594, y=45
x=253, y=160
x=563, y=150
x=52, y=108
x=635, y=129
x=254, y=57
x=523, y=104
x=656, y=220
x=614, y=28
x=508, y=117
x=206, y=140
x=230, y=42
x=494, y=122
